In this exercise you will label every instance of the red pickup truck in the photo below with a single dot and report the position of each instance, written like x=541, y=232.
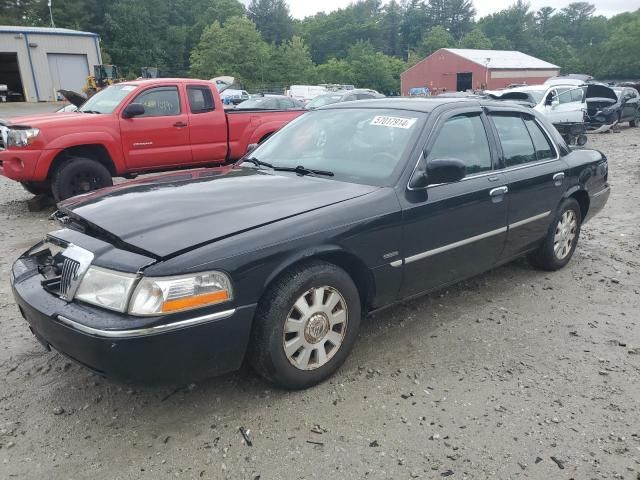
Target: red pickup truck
x=130, y=128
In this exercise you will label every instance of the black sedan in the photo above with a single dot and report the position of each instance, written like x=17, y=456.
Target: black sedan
x=346, y=210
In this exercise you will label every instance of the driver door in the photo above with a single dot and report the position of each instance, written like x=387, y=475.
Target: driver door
x=565, y=105
x=455, y=230
x=160, y=137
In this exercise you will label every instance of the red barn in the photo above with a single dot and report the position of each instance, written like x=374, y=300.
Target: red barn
x=460, y=69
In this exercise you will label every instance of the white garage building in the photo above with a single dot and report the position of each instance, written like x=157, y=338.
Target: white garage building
x=36, y=62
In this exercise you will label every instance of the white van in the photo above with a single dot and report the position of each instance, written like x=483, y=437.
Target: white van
x=306, y=93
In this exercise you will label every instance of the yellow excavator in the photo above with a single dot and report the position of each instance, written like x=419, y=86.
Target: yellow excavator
x=103, y=76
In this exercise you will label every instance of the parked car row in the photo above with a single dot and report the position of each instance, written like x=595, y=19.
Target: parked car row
x=274, y=259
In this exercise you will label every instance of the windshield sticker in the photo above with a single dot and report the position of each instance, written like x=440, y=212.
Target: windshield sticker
x=394, y=122
x=128, y=88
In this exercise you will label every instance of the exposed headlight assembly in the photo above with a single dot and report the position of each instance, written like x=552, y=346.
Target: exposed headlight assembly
x=163, y=295
x=22, y=137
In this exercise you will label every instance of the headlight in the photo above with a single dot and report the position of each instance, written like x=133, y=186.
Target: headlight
x=162, y=295
x=22, y=137
x=106, y=288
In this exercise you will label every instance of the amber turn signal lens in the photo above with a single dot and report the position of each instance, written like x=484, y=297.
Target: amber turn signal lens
x=195, y=301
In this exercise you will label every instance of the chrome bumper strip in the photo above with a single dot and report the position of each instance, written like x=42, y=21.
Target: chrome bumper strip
x=143, y=332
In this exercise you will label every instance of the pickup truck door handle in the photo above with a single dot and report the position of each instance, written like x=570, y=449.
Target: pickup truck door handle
x=498, y=192
x=558, y=178
x=180, y=124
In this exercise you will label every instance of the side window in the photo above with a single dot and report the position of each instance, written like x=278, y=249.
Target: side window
x=159, y=102
x=565, y=97
x=464, y=137
x=577, y=94
x=200, y=99
x=364, y=96
x=542, y=144
x=517, y=147
x=285, y=104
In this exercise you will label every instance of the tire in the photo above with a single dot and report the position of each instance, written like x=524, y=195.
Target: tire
x=36, y=188
x=79, y=175
x=303, y=364
x=562, y=238
x=636, y=120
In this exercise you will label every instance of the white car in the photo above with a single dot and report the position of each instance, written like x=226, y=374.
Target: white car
x=559, y=103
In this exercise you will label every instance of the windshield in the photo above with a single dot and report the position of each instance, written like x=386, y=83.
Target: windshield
x=323, y=100
x=536, y=95
x=358, y=145
x=107, y=100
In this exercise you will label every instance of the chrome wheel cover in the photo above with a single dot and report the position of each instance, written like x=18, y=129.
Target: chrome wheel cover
x=566, y=230
x=315, y=328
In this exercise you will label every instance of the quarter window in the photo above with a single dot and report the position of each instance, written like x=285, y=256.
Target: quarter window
x=465, y=138
x=160, y=102
x=200, y=99
x=544, y=148
x=517, y=146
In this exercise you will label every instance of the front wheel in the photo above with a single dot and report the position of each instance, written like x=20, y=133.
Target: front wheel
x=562, y=238
x=79, y=175
x=35, y=188
x=305, y=326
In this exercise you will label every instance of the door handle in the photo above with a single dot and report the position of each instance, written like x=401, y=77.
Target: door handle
x=558, y=179
x=180, y=124
x=497, y=192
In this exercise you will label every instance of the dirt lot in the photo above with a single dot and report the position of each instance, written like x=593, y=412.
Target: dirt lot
x=515, y=374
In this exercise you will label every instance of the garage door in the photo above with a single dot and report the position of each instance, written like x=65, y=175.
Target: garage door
x=68, y=72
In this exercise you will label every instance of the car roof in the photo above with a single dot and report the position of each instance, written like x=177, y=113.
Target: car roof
x=423, y=104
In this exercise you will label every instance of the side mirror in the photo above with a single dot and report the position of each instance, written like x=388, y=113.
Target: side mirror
x=133, y=110
x=445, y=170
x=251, y=147
x=555, y=102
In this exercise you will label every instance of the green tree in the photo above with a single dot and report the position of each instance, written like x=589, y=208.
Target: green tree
x=371, y=69
x=335, y=71
x=436, y=39
x=272, y=18
x=456, y=16
x=391, y=29
x=235, y=49
x=475, y=39
x=619, y=55
x=291, y=64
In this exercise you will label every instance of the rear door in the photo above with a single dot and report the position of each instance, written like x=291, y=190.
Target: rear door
x=630, y=104
x=534, y=173
x=455, y=230
x=160, y=137
x=207, y=125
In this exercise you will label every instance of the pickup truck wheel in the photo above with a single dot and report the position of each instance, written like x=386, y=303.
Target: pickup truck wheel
x=305, y=326
x=79, y=175
x=35, y=188
x=562, y=238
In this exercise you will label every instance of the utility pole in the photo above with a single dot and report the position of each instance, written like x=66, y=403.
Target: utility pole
x=53, y=25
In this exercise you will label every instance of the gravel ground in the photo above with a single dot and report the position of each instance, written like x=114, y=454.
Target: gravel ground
x=514, y=374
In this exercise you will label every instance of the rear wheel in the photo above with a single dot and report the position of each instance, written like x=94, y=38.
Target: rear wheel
x=79, y=175
x=636, y=120
x=562, y=238
x=305, y=326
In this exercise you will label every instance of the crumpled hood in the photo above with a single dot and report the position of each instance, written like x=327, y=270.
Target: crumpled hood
x=177, y=212
x=595, y=90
